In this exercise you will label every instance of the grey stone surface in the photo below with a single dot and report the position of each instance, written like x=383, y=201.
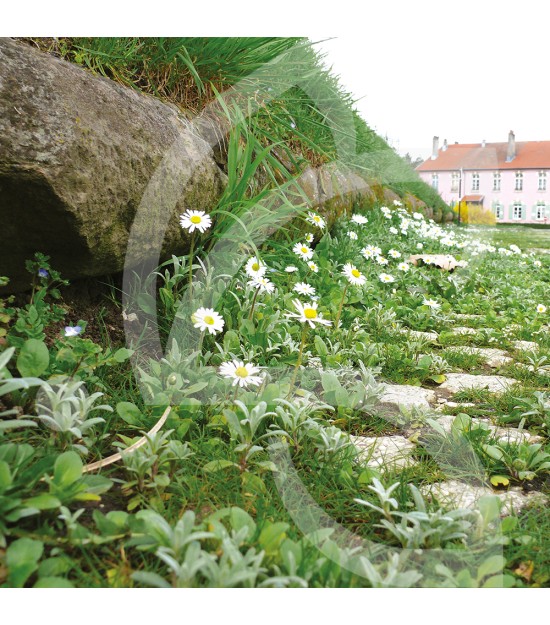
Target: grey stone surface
x=461, y=330
x=454, y=493
x=77, y=152
x=461, y=381
x=431, y=337
x=493, y=357
x=381, y=451
x=396, y=395
x=526, y=346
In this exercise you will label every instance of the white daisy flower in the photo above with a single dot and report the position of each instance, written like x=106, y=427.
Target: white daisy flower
x=353, y=274
x=265, y=285
x=303, y=250
x=418, y=216
x=385, y=277
x=394, y=254
x=537, y=263
x=381, y=260
x=195, y=220
x=432, y=303
x=309, y=238
x=291, y=269
x=359, y=219
x=208, y=319
x=403, y=267
x=242, y=374
x=304, y=288
x=394, y=230
x=352, y=235
x=307, y=313
x=313, y=267
x=397, y=203
x=419, y=246
x=368, y=254
x=541, y=308
x=316, y=220
x=385, y=210
x=255, y=268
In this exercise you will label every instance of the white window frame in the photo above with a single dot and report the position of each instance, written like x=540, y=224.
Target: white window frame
x=517, y=206
x=455, y=181
x=540, y=212
x=499, y=210
x=519, y=181
x=542, y=181
x=475, y=181
x=497, y=179
x=435, y=181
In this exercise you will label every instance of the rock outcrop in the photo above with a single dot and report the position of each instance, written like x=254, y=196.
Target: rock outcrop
x=77, y=153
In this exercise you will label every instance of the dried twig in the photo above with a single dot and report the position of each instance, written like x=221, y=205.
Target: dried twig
x=110, y=459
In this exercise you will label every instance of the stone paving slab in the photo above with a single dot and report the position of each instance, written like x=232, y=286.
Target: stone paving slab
x=493, y=357
x=396, y=395
x=377, y=451
x=456, y=382
x=431, y=337
x=526, y=346
x=459, y=494
x=461, y=330
x=503, y=434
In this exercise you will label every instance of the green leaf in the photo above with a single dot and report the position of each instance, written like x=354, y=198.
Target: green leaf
x=43, y=502
x=499, y=480
x=320, y=346
x=33, y=359
x=491, y=566
x=53, y=582
x=22, y=560
x=122, y=354
x=150, y=579
x=67, y=469
x=438, y=379
x=129, y=413
x=271, y=536
x=240, y=518
x=147, y=303
x=493, y=452
x=5, y=476
x=218, y=465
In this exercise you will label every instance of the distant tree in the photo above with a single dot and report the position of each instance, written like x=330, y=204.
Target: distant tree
x=413, y=162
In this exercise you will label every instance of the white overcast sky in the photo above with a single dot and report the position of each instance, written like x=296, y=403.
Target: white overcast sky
x=464, y=71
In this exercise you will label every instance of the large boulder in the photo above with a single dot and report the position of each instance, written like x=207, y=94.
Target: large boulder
x=77, y=153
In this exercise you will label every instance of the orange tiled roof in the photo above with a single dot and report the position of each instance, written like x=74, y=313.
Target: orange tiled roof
x=529, y=155
x=472, y=198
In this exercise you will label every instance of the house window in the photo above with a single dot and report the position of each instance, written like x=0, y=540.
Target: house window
x=517, y=210
x=496, y=181
x=475, y=182
x=542, y=181
x=435, y=181
x=455, y=177
x=519, y=181
x=499, y=210
x=540, y=211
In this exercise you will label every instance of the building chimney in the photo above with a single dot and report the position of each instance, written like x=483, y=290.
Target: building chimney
x=435, y=148
x=511, y=152
x=483, y=143
x=444, y=145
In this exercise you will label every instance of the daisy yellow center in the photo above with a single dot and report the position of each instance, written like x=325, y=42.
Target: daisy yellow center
x=305, y=250
x=310, y=313
x=355, y=273
x=209, y=320
x=317, y=219
x=241, y=372
x=255, y=266
x=195, y=219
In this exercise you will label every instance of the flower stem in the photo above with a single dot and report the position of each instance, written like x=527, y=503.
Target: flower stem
x=253, y=304
x=299, y=361
x=191, y=251
x=341, y=306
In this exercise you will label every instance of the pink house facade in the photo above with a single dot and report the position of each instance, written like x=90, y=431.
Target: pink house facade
x=511, y=179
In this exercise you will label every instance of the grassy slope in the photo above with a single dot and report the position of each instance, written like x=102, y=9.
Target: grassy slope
x=189, y=72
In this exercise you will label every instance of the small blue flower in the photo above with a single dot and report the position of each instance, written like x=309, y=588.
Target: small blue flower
x=43, y=273
x=72, y=331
